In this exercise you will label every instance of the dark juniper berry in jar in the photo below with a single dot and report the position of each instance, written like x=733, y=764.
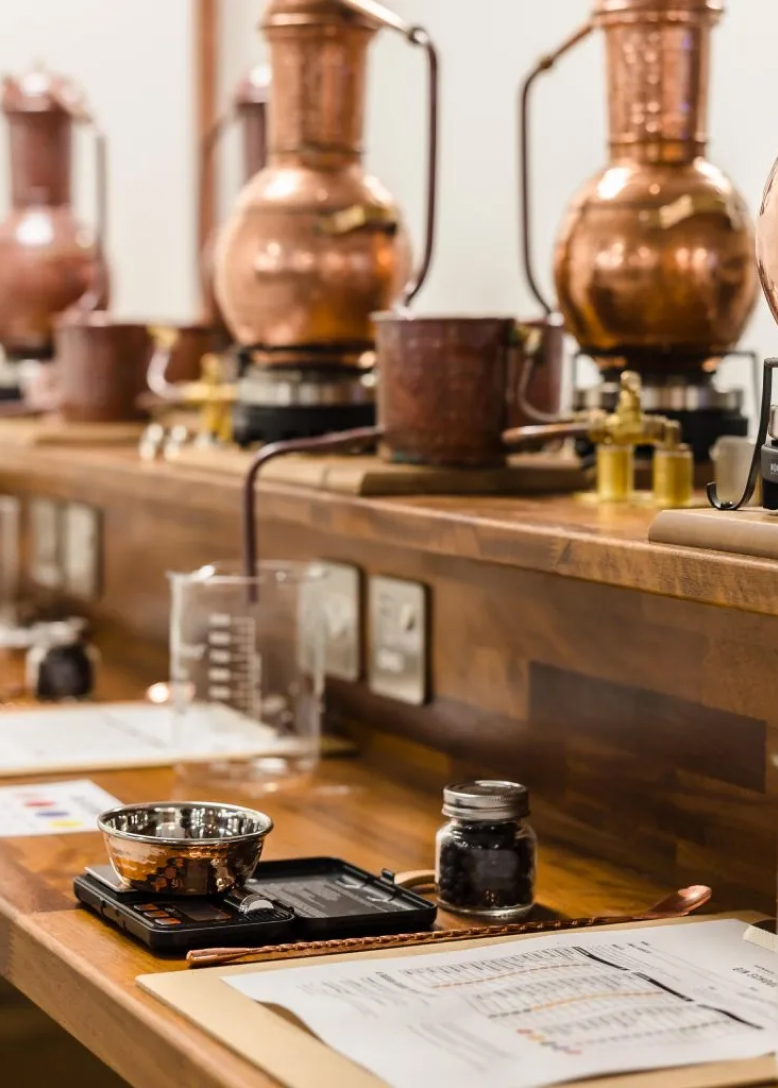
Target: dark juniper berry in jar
x=485, y=854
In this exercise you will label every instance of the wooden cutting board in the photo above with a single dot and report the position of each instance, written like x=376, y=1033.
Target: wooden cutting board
x=740, y=532
x=371, y=476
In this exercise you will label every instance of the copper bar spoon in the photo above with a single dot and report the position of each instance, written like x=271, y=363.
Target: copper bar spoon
x=676, y=905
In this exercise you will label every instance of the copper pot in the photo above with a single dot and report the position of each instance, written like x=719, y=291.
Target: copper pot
x=447, y=387
x=249, y=114
x=48, y=261
x=314, y=246
x=101, y=367
x=654, y=260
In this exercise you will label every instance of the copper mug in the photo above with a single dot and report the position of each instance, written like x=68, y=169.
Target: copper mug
x=450, y=388
x=101, y=367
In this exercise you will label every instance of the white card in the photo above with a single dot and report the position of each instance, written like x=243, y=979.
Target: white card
x=103, y=736
x=52, y=808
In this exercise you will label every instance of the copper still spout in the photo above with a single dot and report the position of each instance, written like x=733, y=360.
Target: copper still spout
x=654, y=259
x=314, y=246
x=48, y=261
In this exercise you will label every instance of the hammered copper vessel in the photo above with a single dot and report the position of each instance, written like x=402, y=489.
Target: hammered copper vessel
x=314, y=245
x=767, y=241
x=48, y=260
x=100, y=366
x=654, y=261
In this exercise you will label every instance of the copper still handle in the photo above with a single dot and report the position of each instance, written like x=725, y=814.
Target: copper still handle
x=416, y=35
x=543, y=65
x=340, y=440
x=93, y=298
x=524, y=437
x=526, y=349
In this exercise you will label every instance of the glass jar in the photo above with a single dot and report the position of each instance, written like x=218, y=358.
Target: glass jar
x=485, y=855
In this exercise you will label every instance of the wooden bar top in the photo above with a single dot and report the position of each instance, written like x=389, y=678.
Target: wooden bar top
x=570, y=536
x=81, y=972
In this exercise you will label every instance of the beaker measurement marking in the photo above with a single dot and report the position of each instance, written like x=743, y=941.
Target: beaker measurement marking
x=220, y=619
x=221, y=676
x=233, y=664
x=220, y=694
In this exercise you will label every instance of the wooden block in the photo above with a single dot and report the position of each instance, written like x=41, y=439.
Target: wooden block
x=369, y=475
x=741, y=532
x=54, y=431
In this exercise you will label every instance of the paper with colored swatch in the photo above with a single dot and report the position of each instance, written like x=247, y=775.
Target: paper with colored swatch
x=55, y=808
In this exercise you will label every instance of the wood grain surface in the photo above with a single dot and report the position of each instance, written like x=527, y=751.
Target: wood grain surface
x=562, y=535
x=376, y=812
x=644, y=723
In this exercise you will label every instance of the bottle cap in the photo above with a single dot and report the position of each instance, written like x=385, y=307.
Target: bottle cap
x=486, y=800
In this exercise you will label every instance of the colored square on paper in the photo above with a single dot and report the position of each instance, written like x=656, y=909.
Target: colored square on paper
x=54, y=809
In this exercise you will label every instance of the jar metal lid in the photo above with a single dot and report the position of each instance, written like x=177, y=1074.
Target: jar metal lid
x=485, y=799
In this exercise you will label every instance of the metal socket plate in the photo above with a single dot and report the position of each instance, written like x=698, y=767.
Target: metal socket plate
x=398, y=666
x=333, y=600
x=10, y=549
x=81, y=556
x=45, y=564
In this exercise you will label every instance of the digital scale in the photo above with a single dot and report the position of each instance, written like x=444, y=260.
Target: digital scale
x=305, y=899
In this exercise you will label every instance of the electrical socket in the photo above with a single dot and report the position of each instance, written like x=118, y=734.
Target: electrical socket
x=81, y=551
x=398, y=660
x=45, y=567
x=333, y=597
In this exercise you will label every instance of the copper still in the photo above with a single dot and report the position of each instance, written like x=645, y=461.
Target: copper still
x=653, y=264
x=314, y=245
x=48, y=260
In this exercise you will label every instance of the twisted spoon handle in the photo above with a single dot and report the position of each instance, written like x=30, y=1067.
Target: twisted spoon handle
x=677, y=905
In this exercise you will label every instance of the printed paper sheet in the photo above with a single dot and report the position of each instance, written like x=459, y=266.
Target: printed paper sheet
x=542, y=1011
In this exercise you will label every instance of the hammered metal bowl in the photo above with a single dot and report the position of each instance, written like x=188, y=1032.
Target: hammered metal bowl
x=185, y=847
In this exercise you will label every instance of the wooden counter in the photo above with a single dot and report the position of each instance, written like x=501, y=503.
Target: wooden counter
x=630, y=685
x=81, y=972
x=565, y=535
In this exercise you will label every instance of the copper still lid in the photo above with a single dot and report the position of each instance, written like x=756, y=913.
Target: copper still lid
x=39, y=91
x=293, y=13
x=670, y=9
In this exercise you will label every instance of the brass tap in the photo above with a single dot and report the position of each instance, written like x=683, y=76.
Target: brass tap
x=616, y=436
x=215, y=397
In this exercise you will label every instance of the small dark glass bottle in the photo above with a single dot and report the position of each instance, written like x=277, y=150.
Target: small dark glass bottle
x=61, y=664
x=485, y=855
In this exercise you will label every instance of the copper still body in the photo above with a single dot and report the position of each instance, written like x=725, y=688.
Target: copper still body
x=767, y=241
x=48, y=261
x=654, y=260
x=314, y=245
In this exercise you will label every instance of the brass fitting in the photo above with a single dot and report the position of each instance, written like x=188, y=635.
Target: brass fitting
x=616, y=436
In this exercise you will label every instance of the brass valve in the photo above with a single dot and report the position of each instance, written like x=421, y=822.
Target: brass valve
x=616, y=436
x=214, y=396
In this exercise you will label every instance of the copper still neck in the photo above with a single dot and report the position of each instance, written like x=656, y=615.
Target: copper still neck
x=318, y=51
x=658, y=55
x=38, y=109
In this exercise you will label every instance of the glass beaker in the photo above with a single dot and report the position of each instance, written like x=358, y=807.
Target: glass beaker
x=247, y=673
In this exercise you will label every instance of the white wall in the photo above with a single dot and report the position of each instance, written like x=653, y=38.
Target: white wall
x=134, y=60
x=486, y=48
